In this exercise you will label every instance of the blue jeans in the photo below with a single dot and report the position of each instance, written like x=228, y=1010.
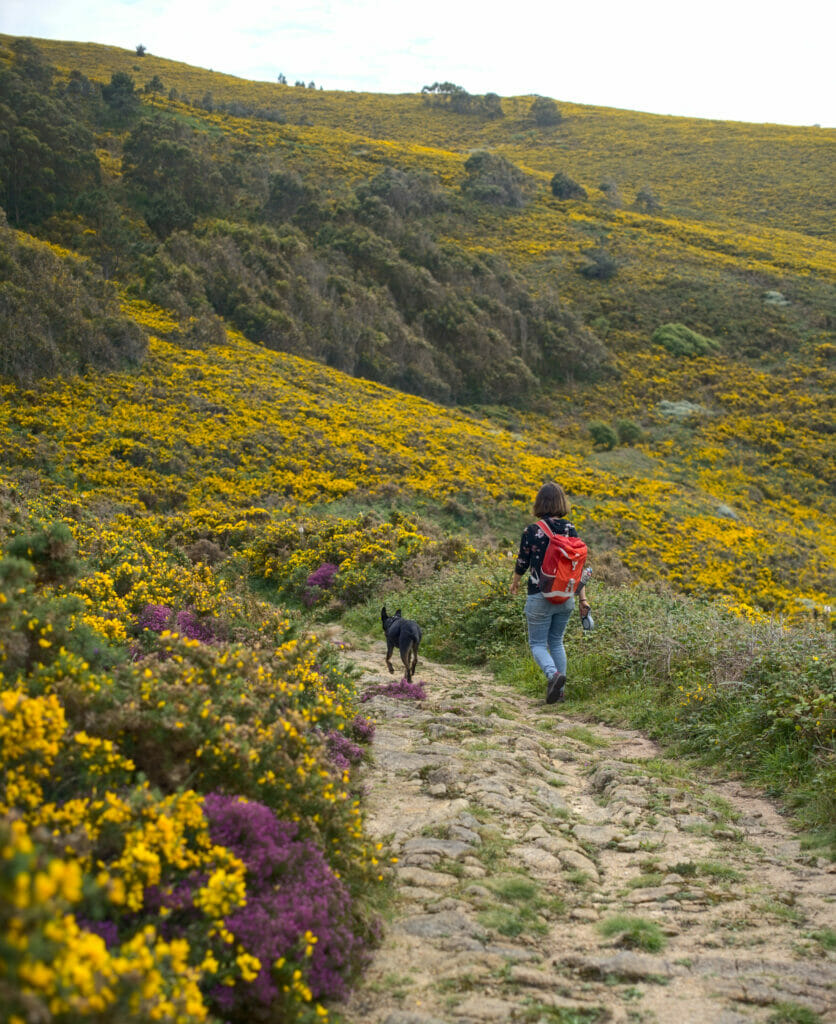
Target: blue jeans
x=547, y=623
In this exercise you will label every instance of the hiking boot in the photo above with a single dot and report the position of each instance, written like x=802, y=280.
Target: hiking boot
x=554, y=691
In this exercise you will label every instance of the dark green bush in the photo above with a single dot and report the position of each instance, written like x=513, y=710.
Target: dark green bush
x=545, y=112
x=36, y=629
x=603, y=435
x=680, y=340
x=493, y=179
x=51, y=549
x=628, y=431
x=564, y=187
x=598, y=265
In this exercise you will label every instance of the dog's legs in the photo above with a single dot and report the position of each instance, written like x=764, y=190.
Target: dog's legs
x=410, y=660
x=389, y=664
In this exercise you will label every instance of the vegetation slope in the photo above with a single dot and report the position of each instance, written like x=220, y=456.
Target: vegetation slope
x=191, y=480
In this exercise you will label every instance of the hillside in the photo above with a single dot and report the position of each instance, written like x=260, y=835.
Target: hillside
x=762, y=174
x=274, y=356
x=467, y=280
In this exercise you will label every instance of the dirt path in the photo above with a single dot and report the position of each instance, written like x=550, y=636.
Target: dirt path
x=520, y=831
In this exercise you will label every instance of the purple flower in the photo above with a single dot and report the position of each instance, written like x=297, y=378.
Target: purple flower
x=190, y=625
x=155, y=617
x=363, y=729
x=290, y=890
x=342, y=751
x=404, y=690
x=319, y=580
x=106, y=930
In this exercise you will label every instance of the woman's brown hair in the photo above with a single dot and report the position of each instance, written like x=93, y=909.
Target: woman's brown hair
x=551, y=500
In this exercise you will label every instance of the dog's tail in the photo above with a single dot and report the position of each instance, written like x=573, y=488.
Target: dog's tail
x=409, y=656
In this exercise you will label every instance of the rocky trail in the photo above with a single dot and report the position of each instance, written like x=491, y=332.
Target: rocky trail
x=554, y=870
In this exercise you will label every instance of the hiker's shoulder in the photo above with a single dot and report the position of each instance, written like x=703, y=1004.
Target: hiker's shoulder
x=563, y=526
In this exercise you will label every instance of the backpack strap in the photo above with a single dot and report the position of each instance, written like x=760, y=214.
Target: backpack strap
x=549, y=532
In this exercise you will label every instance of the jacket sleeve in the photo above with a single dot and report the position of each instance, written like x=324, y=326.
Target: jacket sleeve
x=524, y=556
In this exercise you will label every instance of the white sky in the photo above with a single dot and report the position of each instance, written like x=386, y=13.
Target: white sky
x=741, y=60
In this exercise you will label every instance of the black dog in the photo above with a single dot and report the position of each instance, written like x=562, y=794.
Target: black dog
x=403, y=634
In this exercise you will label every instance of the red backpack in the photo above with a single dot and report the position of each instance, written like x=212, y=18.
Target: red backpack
x=560, y=573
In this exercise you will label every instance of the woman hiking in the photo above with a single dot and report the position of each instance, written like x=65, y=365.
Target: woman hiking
x=547, y=621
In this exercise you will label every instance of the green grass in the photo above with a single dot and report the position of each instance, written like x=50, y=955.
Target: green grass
x=633, y=932
x=720, y=872
x=792, y=1013
x=781, y=911
x=522, y=909
x=826, y=938
x=585, y=735
x=646, y=881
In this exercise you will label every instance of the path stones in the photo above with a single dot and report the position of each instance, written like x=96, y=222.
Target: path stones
x=598, y=835
x=653, y=894
x=634, y=795
x=587, y=914
x=465, y=835
x=444, y=925
x=539, y=861
x=490, y=798
x=574, y=861
x=554, y=844
x=629, y=965
x=449, y=848
x=477, y=1007
x=427, y=879
x=404, y=1017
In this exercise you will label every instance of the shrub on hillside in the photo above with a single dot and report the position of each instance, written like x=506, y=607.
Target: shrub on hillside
x=57, y=315
x=107, y=770
x=628, y=431
x=348, y=558
x=564, y=187
x=545, y=112
x=646, y=201
x=680, y=340
x=598, y=264
x=602, y=434
x=51, y=548
x=298, y=913
x=47, y=154
x=459, y=100
x=493, y=179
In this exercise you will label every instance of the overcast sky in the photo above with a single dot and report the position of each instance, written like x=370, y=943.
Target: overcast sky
x=742, y=60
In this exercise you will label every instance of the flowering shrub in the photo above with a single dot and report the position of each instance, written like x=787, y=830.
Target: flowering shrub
x=107, y=761
x=320, y=579
x=363, y=729
x=351, y=556
x=155, y=617
x=402, y=690
x=298, y=918
x=342, y=751
x=190, y=625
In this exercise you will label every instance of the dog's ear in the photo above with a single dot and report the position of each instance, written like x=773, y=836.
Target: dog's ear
x=383, y=614
x=398, y=613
